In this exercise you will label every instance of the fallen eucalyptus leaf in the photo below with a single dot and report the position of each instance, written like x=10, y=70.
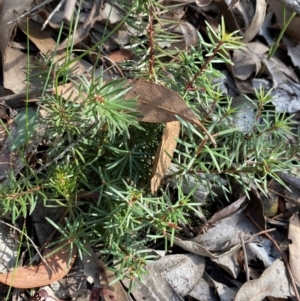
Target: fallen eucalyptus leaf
x=51, y=269
x=225, y=293
x=169, y=278
x=42, y=39
x=13, y=75
x=8, y=12
x=272, y=283
x=244, y=117
x=159, y=104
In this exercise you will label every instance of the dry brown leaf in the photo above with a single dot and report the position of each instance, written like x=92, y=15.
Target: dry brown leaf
x=273, y=282
x=247, y=61
x=169, y=278
x=224, y=291
x=12, y=59
x=294, y=246
x=159, y=104
x=226, y=233
x=120, y=56
x=83, y=30
x=227, y=211
x=164, y=153
x=13, y=74
x=9, y=10
x=181, y=271
x=51, y=269
x=197, y=248
x=41, y=39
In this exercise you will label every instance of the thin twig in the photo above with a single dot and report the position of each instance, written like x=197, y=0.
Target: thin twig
x=58, y=6
x=263, y=232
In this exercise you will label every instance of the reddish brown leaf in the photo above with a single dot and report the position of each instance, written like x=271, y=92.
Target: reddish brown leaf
x=159, y=104
x=54, y=268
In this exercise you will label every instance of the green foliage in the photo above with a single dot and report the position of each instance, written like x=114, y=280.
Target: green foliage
x=99, y=157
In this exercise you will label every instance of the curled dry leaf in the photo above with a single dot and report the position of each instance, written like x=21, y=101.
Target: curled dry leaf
x=257, y=21
x=51, y=269
x=252, y=14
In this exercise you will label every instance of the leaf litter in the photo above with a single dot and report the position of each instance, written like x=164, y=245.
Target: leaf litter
x=219, y=242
